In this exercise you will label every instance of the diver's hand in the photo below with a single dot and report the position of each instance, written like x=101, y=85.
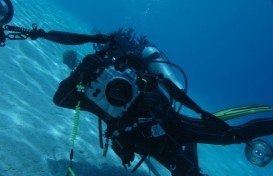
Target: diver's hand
x=150, y=101
x=86, y=71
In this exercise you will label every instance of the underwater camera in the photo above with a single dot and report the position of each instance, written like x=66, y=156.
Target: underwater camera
x=6, y=12
x=114, y=91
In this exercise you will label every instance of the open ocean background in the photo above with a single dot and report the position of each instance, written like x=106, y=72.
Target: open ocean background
x=225, y=47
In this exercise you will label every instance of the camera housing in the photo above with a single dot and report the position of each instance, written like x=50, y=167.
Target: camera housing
x=114, y=91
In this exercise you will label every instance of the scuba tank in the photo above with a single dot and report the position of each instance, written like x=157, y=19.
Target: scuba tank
x=158, y=63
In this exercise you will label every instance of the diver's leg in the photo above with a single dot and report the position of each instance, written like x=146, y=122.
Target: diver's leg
x=172, y=157
x=184, y=129
x=252, y=129
x=180, y=161
x=195, y=130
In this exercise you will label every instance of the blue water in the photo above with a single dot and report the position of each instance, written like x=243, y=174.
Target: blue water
x=225, y=47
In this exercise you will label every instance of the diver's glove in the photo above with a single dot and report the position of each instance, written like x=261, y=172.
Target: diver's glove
x=150, y=101
x=88, y=69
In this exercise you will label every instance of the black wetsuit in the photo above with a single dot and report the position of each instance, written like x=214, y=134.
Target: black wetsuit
x=181, y=130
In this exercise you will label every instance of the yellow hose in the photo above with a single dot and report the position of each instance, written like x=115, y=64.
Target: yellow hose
x=75, y=123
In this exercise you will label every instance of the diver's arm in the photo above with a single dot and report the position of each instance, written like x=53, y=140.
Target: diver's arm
x=184, y=99
x=67, y=94
x=68, y=38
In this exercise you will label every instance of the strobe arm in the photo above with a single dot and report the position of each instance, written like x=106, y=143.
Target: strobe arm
x=66, y=38
x=73, y=38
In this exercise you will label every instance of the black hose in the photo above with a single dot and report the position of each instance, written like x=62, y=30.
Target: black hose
x=179, y=68
x=143, y=158
x=100, y=132
x=2, y=36
x=182, y=72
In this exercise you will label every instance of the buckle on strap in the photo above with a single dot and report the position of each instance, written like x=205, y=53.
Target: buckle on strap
x=157, y=131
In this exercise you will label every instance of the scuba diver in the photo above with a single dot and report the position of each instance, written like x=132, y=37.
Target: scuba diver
x=147, y=122
x=130, y=85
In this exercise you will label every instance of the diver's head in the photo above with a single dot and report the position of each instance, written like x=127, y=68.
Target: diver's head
x=126, y=43
x=70, y=58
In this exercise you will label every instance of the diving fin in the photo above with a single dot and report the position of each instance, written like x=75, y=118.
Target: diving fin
x=232, y=113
